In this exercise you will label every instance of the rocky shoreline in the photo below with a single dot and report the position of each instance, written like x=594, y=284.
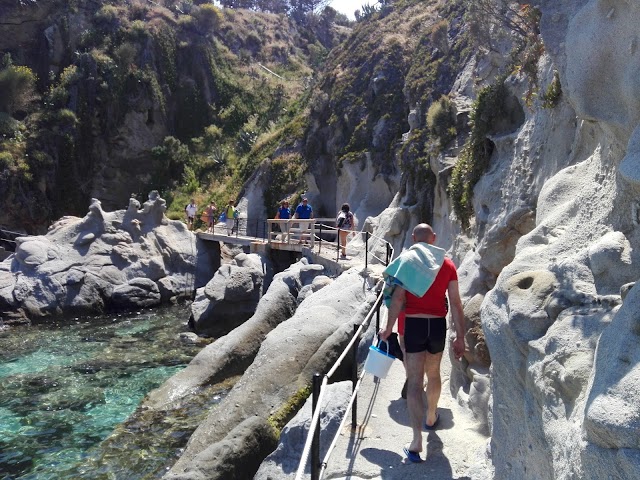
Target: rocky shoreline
x=105, y=261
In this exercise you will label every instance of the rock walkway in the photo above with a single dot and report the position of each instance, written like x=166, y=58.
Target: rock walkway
x=374, y=450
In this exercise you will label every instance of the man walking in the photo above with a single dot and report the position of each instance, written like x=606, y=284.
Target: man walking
x=425, y=327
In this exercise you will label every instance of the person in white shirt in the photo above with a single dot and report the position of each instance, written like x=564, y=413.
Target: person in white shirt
x=191, y=210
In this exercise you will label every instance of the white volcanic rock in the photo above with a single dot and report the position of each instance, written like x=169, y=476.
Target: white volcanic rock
x=308, y=342
x=613, y=407
x=559, y=409
x=234, y=352
x=231, y=296
x=107, y=260
x=283, y=462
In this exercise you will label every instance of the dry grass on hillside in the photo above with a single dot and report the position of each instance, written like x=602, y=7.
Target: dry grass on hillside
x=265, y=39
x=396, y=28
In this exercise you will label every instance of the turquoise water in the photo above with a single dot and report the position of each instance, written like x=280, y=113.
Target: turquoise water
x=67, y=388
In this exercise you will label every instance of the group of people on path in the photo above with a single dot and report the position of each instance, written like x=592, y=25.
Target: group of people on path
x=210, y=215
x=418, y=282
x=345, y=219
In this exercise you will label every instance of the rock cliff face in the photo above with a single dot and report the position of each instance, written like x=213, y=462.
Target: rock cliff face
x=114, y=80
x=574, y=393
x=551, y=253
x=548, y=265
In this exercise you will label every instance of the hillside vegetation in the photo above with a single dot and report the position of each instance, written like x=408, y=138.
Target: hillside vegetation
x=117, y=98
x=114, y=99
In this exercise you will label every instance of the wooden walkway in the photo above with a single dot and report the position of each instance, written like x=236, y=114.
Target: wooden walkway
x=301, y=236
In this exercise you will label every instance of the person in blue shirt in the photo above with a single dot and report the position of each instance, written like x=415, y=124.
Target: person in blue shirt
x=304, y=210
x=284, y=212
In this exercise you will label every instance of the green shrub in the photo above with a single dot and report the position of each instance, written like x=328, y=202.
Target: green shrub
x=285, y=176
x=66, y=118
x=17, y=88
x=57, y=96
x=170, y=160
x=186, y=22
x=38, y=158
x=6, y=160
x=552, y=94
x=190, y=181
x=70, y=75
x=125, y=55
x=317, y=54
x=474, y=158
x=138, y=11
x=212, y=136
x=253, y=40
x=107, y=18
x=8, y=125
x=138, y=31
x=175, y=215
x=207, y=17
x=441, y=120
x=439, y=36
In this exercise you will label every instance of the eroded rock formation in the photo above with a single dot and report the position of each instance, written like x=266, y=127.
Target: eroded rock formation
x=308, y=342
x=106, y=260
x=562, y=386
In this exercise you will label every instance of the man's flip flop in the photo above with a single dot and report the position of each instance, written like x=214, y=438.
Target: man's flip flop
x=435, y=424
x=413, y=457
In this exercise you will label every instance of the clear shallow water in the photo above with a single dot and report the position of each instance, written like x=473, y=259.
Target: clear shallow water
x=65, y=390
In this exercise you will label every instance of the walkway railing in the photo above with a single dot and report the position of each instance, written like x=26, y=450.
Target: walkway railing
x=318, y=232
x=292, y=231
x=319, y=384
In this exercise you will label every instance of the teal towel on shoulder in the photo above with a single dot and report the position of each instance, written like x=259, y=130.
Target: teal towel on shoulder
x=414, y=270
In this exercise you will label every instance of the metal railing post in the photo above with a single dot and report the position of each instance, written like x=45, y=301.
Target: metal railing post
x=338, y=250
x=387, y=257
x=320, y=240
x=354, y=380
x=377, y=318
x=315, y=445
x=366, y=249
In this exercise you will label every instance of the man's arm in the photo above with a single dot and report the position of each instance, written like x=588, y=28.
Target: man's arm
x=397, y=304
x=457, y=314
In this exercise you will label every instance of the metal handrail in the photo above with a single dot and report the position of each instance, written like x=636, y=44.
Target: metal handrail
x=312, y=443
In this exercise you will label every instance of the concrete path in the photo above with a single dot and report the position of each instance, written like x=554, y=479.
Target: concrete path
x=374, y=450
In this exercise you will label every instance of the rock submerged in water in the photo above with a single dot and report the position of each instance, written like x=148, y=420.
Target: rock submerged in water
x=125, y=259
x=231, y=296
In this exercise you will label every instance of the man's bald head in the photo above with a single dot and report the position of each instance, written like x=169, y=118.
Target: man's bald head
x=424, y=233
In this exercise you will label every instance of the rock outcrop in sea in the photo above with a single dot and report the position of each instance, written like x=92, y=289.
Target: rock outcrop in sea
x=105, y=261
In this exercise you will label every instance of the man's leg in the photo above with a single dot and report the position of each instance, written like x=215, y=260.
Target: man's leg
x=414, y=364
x=403, y=393
x=434, y=384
